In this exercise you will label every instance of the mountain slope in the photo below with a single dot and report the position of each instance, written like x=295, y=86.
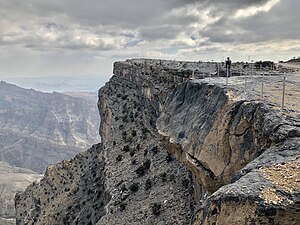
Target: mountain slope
x=38, y=129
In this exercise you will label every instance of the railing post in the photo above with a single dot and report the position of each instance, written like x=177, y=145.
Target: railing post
x=245, y=81
x=283, y=92
x=262, y=86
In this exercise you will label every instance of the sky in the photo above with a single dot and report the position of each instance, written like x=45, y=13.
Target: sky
x=77, y=38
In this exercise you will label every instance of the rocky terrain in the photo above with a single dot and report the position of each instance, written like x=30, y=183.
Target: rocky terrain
x=176, y=149
x=38, y=129
x=12, y=180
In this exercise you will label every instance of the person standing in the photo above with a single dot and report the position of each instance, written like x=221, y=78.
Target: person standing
x=228, y=67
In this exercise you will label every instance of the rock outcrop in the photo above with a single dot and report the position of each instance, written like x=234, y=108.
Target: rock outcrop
x=12, y=180
x=156, y=126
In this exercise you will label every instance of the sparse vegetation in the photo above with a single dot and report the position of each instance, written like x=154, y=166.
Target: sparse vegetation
x=133, y=133
x=126, y=148
x=163, y=176
x=119, y=158
x=141, y=170
x=154, y=150
x=169, y=157
x=185, y=183
x=134, y=187
x=122, y=206
x=132, y=152
x=148, y=184
x=155, y=208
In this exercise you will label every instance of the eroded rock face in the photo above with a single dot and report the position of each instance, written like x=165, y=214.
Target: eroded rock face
x=12, y=180
x=71, y=192
x=266, y=191
x=38, y=129
x=142, y=182
x=218, y=134
x=243, y=156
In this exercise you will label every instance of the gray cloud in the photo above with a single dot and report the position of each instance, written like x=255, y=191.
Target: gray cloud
x=103, y=31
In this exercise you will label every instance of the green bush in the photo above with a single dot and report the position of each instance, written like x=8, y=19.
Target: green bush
x=163, y=176
x=133, y=162
x=154, y=150
x=148, y=184
x=126, y=148
x=119, y=158
x=155, y=208
x=169, y=158
x=141, y=170
x=185, y=183
x=132, y=152
x=133, y=133
x=134, y=187
x=122, y=206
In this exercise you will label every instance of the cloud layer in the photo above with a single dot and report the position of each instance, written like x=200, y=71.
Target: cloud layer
x=82, y=37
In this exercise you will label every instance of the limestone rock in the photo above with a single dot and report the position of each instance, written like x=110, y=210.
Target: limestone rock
x=38, y=129
x=178, y=151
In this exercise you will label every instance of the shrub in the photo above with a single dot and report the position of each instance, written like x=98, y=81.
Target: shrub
x=122, y=206
x=133, y=133
x=145, y=130
x=145, y=152
x=154, y=150
x=119, y=158
x=132, y=152
x=172, y=177
x=148, y=184
x=133, y=162
x=143, y=168
x=125, y=119
x=126, y=148
x=134, y=187
x=163, y=176
x=155, y=208
x=169, y=158
x=185, y=183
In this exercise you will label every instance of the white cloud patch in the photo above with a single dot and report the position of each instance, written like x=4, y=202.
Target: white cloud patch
x=253, y=10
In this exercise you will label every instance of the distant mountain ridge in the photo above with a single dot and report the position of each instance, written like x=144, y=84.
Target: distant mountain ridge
x=38, y=129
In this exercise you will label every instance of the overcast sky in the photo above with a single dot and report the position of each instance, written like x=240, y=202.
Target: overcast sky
x=84, y=37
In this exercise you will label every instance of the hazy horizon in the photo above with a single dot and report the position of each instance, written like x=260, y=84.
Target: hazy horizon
x=87, y=83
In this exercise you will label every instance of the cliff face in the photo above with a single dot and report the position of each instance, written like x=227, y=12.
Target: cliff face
x=243, y=156
x=38, y=129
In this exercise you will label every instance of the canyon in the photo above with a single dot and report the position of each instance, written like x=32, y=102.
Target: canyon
x=36, y=130
x=175, y=150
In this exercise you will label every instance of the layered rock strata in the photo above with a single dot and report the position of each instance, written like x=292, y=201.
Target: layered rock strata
x=243, y=155
x=38, y=129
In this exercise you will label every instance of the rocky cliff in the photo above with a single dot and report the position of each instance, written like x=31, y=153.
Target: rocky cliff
x=175, y=151
x=38, y=129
